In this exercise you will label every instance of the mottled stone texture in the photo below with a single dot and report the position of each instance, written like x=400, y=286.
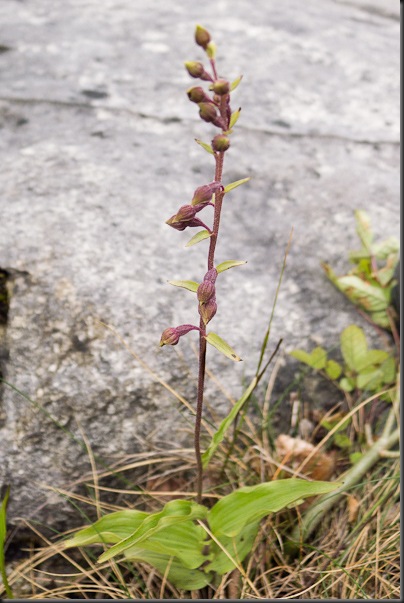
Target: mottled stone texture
x=97, y=152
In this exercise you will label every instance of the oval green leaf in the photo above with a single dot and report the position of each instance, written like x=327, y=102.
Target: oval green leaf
x=200, y=236
x=234, y=118
x=229, y=264
x=235, y=83
x=205, y=146
x=222, y=346
x=354, y=347
x=190, y=285
x=229, y=187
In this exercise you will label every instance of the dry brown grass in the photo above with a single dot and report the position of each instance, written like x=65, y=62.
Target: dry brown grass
x=354, y=554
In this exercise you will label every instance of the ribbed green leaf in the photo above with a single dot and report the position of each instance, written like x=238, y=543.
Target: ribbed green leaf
x=110, y=529
x=229, y=264
x=238, y=548
x=175, y=511
x=180, y=576
x=371, y=297
x=250, y=504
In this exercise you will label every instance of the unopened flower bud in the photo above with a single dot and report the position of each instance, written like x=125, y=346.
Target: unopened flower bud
x=198, y=95
x=196, y=69
x=169, y=337
x=184, y=214
x=205, y=291
x=172, y=335
x=220, y=143
x=203, y=194
x=207, y=112
x=202, y=36
x=208, y=310
x=220, y=87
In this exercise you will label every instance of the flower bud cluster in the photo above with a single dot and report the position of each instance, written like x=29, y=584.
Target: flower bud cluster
x=214, y=110
x=206, y=294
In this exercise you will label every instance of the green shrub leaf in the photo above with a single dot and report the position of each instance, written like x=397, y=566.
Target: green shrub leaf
x=354, y=347
x=372, y=298
x=246, y=505
x=333, y=369
x=363, y=228
x=317, y=359
x=222, y=346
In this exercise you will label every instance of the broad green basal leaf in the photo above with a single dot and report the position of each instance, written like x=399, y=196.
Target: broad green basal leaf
x=180, y=576
x=237, y=547
x=175, y=511
x=250, y=504
x=110, y=529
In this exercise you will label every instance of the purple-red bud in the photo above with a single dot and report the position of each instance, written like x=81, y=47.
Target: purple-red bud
x=202, y=36
x=196, y=69
x=220, y=143
x=220, y=87
x=203, y=194
x=205, y=291
x=198, y=95
x=211, y=275
x=172, y=335
x=208, y=310
x=207, y=112
x=184, y=214
x=169, y=337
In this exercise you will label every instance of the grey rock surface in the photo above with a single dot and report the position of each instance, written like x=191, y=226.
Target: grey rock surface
x=97, y=151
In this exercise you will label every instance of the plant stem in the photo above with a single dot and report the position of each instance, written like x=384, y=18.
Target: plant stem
x=219, y=157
